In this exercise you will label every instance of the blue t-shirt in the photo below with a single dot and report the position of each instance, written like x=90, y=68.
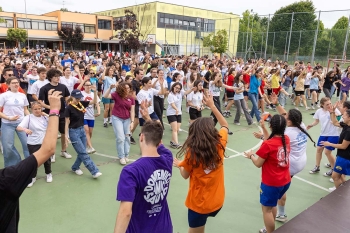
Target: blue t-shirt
x=254, y=84
x=146, y=183
x=68, y=62
x=107, y=82
x=287, y=81
x=93, y=80
x=314, y=83
x=126, y=68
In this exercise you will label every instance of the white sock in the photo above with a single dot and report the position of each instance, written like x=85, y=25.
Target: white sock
x=105, y=120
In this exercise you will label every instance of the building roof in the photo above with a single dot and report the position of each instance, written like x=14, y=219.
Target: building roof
x=169, y=4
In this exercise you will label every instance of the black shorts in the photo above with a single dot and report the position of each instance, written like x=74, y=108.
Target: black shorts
x=33, y=148
x=314, y=90
x=194, y=113
x=62, y=125
x=174, y=118
x=230, y=95
x=137, y=107
x=245, y=93
x=269, y=91
x=299, y=93
x=306, y=86
x=99, y=87
x=198, y=220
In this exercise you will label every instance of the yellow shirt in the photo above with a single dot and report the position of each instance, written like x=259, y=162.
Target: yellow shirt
x=275, y=81
x=131, y=74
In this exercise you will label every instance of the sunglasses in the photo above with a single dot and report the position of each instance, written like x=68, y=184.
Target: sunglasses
x=92, y=73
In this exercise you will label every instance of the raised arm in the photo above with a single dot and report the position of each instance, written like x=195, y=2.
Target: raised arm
x=208, y=100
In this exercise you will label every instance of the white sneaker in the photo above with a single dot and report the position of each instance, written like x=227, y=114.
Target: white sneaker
x=331, y=180
x=122, y=161
x=92, y=150
x=296, y=108
x=301, y=105
x=31, y=183
x=66, y=154
x=126, y=159
x=237, y=123
x=59, y=136
x=53, y=158
x=312, y=107
x=332, y=189
x=307, y=108
x=49, y=178
x=79, y=172
x=98, y=174
x=88, y=150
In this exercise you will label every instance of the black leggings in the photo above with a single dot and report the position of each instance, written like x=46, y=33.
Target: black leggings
x=47, y=164
x=218, y=106
x=158, y=104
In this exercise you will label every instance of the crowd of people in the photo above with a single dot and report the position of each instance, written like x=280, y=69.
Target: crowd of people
x=143, y=90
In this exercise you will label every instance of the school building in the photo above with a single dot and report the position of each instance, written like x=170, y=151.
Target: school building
x=167, y=28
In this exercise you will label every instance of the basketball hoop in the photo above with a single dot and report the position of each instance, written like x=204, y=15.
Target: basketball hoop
x=149, y=42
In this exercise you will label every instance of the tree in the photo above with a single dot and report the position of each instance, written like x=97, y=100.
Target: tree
x=17, y=35
x=217, y=42
x=128, y=30
x=74, y=37
x=64, y=9
x=2, y=20
x=338, y=35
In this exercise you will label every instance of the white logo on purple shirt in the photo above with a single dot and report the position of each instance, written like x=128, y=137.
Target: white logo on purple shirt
x=157, y=186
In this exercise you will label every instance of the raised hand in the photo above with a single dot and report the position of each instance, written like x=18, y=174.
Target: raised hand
x=55, y=99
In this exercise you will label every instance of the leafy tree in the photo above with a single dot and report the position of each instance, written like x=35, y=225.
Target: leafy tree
x=217, y=42
x=128, y=30
x=17, y=35
x=64, y=9
x=339, y=34
x=72, y=36
x=2, y=20
x=305, y=22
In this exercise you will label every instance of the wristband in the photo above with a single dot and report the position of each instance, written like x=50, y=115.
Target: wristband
x=278, y=104
x=262, y=137
x=54, y=111
x=54, y=114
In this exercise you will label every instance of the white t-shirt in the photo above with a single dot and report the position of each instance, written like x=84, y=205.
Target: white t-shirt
x=148, y=96
x=36, y=87
x=13, y=105
x=90, y=111
x=157, y=86
x=195, y=98
x=38, y=126
x=298, y=144
x=69, y=82
x=177, y=100
x=214, y=90
x=327, y=128
x=31, y=80
x=308, y=79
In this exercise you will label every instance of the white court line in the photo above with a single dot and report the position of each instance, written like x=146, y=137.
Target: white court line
x=310, y=183
x=112, y=157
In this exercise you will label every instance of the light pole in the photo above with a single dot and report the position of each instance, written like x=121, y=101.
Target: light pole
x=25, y=9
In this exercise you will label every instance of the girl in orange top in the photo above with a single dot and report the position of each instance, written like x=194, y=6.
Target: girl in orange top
x=203, y=163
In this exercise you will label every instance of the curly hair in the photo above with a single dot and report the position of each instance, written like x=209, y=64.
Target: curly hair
x=278, y=125
x=203, y=144
x=122, y=91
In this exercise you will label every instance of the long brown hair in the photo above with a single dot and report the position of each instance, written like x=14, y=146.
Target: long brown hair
x=122, y=91
x=203, y=144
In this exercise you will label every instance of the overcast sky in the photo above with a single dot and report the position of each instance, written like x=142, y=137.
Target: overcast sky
x=261, y=7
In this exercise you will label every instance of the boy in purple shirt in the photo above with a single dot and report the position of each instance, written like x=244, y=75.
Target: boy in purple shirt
x=144, y=184
x=344, y=88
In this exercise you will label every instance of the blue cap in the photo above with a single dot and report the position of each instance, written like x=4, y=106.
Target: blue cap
x=77, y=94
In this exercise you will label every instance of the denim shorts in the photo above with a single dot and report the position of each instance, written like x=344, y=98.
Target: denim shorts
x=331, y=139
x=342, y=166
x=107, y=101
x=269, y=195
x=198, y=220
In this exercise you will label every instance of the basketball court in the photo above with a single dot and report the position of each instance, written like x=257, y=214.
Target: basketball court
x=77, y=204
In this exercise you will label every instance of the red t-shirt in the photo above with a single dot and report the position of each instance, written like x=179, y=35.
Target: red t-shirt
x=262, y=87
x=230, y=80
x=77, y=84
x=275, y=170
x=246, y=78
x=122, y=107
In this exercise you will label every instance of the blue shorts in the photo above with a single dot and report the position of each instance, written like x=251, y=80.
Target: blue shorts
x=269, y=195
x=198, y=220
x=245, y=93
x=342, y=166
x=331, y=139
x=90, y=123
x=153, y=116
x=346, y=92
x=107, y=101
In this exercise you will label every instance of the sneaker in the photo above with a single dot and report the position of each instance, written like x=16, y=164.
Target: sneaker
x=49, y=178
x=122, y=161
x=268, y=107
x=230, y=132
x=316, y=169
x=263, y=230
x=294, y=103
x=296, y=108
x=105, y=125
x=31, y=183
x=318, y=106
x=53, y=158
x=66, y=154
x=224, y=114
x=126, y=159
x=331, y=180
x=281, y=218
x=132, y=140
x=237, y=123
x=327, y=165
x=59, y=136
x=79, y=172
x=88, y=150
x=110, y=123
x=229, y=114
x=178, y=146
x=98, y=174
x=301, y=105
x=307, y=108
x=92, y=150
x=332, y=189
x=313, y=108
x=329, y=173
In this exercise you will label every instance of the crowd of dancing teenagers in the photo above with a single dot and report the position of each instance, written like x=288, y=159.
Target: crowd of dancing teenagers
x=135, y=89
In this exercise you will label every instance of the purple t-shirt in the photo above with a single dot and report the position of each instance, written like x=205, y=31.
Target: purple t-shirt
x=345, y=81
x=146, y=183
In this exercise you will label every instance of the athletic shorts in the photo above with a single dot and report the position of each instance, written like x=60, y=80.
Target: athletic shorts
x=62, y=125
x=245, y=93
x=230, y=95
x=99, y=87
x=269, y=91
x=107, y=101
x=194, y=113
x=174, y=118
x=331, y=139
x=314, y=90
x=346, y=92
x=153, y=116
x=276, y=90
x=306, y=86
x=137, y=107
x=299, y=93
x=342, y=166
x=89, y=123
x=269, y=195
x=198, y=220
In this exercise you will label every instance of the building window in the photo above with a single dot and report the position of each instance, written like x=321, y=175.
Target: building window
x=50, y=26
x=38, y=25
x=23, y=23
x=166, y=21
x=176, y=21
x=171, y=21
x=185, y=22
x=162, y=20
x=104, y=24
x=89, y=28
x=8, y=22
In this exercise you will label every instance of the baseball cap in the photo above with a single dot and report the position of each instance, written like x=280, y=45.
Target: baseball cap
x=18, y=63
x=77, y=94
x=94, y=62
